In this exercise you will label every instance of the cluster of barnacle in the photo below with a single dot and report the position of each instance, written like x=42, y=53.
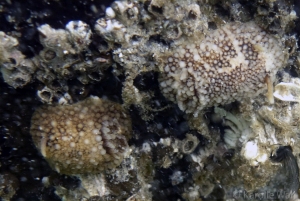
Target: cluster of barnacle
x=65, y=55
x=276, y=16
x=15, y=68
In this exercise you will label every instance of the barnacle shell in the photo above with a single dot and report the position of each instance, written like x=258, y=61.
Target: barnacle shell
x=287, y=92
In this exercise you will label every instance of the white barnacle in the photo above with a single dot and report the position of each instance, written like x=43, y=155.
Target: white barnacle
x=288, y=91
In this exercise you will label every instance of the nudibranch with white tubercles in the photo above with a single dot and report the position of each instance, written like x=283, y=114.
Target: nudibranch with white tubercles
x=234, y=62
x=86, y=137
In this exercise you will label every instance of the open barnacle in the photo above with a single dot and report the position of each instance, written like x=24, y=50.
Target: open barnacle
x=189, y=144
x=288, y=91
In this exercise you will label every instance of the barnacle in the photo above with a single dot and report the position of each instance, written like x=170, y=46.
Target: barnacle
x=15, y=69
x=189, y=144
x=86, y=137
x=46, y=95
x=60, y=42
x=288, y=91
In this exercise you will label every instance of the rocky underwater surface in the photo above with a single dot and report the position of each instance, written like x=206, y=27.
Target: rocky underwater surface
x=149, y=100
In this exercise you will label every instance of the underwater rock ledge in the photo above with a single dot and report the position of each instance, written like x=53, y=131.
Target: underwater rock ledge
x=149, y=100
